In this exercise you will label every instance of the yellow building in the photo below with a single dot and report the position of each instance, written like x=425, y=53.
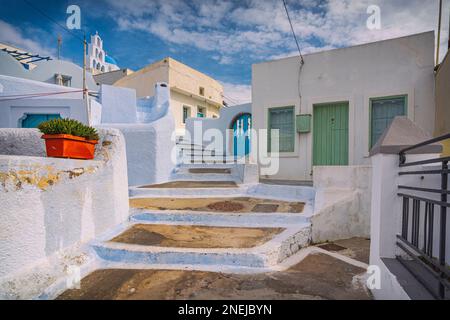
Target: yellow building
x=193, y=94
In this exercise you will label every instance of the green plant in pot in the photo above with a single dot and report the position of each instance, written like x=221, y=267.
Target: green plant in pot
x=69, y=138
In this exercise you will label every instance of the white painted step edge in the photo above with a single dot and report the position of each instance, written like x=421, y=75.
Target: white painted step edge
x=271, y=253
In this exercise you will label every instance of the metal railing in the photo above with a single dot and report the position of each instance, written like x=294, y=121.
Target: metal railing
x=424, y=230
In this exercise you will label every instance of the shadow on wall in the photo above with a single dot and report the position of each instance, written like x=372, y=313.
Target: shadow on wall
x=154, y=108
x=149, y=141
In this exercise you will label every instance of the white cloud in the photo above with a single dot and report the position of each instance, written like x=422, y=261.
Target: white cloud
x=237, y=93
x=259, y=29
x=14, y=36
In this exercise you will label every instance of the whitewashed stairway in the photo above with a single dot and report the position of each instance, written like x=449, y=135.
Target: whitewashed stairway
x=295, y=234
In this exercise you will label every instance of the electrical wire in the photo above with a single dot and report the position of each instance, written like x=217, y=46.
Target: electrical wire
x=302, y=61
x=293, y=32
x=232, y=100
x=36, y=95
x=53, y=20
x=233, y=103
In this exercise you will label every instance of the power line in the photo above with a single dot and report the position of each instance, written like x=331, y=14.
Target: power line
x=232, y=100
x=36, y=96
x=293, y=32
x=53, y=20
x=228, y=97
x=302, y=62
x=26, y=96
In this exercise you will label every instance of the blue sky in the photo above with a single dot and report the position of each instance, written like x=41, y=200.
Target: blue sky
x=220, y=38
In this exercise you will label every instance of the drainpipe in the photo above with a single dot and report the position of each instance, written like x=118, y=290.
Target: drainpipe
x=439, y=33
x=448, y=45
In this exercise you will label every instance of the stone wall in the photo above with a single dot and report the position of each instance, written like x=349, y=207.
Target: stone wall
x=51, y=208
x=342, y=202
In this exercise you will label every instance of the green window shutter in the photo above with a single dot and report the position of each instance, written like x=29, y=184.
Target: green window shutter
x=200, y=112
x=383, y=111
x=283, y=119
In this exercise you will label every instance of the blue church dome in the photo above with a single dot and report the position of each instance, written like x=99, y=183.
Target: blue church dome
x=110, y=60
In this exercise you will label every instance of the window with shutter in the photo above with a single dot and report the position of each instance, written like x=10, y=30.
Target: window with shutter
x=283, y=119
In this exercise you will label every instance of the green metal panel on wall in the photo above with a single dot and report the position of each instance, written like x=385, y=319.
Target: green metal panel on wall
x=303, y=123
x=330, y=134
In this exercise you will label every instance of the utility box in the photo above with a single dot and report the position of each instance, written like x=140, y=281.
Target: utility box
x=303, y=123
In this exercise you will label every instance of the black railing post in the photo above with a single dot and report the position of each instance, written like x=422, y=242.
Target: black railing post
x=443, y=222
x=429, y=252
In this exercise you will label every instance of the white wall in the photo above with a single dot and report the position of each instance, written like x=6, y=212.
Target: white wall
x=342, y=203
x=12, y=111
x=118, y=104
x=355, y=74
x=45, y=71
x=150, y=143
x=149, y=150
x=51, y=207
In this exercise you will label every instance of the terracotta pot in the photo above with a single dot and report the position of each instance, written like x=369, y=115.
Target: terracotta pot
x=68, y=146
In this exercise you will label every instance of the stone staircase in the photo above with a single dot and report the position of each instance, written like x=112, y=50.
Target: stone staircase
x=209, y=239
x=193, y=153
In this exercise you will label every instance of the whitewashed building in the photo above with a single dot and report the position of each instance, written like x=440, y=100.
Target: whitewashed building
x=331, y=111
x=98, y=60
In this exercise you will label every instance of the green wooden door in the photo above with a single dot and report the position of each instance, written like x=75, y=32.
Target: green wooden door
x=330, y=134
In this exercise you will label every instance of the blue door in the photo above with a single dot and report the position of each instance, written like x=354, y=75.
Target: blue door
x=242, y=135
x=33, y=120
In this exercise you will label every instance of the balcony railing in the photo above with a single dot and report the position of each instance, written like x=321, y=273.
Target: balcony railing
x=424, y=227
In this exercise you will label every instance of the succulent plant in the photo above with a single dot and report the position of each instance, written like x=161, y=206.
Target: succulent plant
x=68, y=126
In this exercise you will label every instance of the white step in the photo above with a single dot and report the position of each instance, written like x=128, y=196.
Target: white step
x=189, y=146
x=219, y=219
x=269, y=254
x=208, y=159
x=202, y=177
x=136, y=192
x=199, y=154
x=185, y=169
x=212, y=166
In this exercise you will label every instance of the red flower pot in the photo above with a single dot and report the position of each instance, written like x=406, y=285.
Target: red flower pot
x=68, y=146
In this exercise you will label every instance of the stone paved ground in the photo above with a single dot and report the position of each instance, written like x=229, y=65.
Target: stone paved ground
x=179, y=236
x=355, y=248
x=238, y=205
x=193, y=184
x=318, y=276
